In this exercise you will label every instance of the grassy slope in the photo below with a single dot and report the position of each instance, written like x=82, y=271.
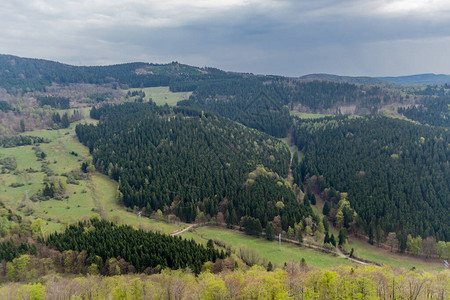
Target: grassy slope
x=162, y=95
x=373, y=253
x=270, y=250
x=91, y=195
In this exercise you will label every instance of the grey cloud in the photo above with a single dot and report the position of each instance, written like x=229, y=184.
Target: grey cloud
x=277, y=37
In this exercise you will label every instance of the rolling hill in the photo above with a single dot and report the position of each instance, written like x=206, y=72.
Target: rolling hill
x=419, y=79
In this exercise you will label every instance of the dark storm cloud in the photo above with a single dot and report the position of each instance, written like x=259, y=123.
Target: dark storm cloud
x=278, y=37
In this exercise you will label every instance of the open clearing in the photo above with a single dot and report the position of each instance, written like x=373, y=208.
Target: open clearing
x=304, y=115
x=162, y=95
x=270, y=250
x=382, y=256
x=95, y=194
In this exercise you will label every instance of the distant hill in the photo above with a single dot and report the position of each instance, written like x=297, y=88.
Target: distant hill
x=17, y=73
x=429, y=78
x=366, y=80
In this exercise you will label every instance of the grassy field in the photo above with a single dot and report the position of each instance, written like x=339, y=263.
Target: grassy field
x=270, y=250
x=77, y=201
x=105, y=195
x=192, y=235
x=162, y=95
x=95, y=194
x=382, y=256
x=303, y=115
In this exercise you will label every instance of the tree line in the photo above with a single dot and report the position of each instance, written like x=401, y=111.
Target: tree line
x=295, y=280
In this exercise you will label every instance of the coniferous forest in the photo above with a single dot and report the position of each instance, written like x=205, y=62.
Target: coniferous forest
x=141, y=249
x=187, y=161
x=396, y=173
x=264, y=102
x=434, y=111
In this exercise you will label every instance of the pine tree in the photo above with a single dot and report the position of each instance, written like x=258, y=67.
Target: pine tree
x=65, y=123
x=269, y=231
x=300, y=237
x=326, y=208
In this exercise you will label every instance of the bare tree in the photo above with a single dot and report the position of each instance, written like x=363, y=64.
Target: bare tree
x=392, y=240
x=429, y=246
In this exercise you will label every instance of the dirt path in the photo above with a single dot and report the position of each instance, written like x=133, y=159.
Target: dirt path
x=339, y=252
x=177, y=232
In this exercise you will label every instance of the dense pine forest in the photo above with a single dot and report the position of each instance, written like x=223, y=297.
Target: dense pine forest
x=264, y=102
x=396, y=173
x=434, y=111
x=141, y=249
x=186, y=161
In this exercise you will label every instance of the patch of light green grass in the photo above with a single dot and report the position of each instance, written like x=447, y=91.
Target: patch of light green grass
x=303, y=115
x=105, y=192
x=271, y=251
x=162, y=95
x=191, y=235
x=372, y=253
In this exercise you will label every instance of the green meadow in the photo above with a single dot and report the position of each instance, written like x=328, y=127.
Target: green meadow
x=162, y=95
x=270, y=249
x=95, y=194
x=382, y=256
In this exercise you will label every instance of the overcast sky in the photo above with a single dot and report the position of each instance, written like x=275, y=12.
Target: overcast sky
x=284, y=37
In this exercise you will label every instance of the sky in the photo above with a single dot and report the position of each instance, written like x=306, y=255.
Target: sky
x=282, y=37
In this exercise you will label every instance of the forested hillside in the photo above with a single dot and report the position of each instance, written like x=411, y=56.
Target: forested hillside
x=196, y=160
x=18, y=75
x=434, y=111
x=396, y=173
x=349, y=79
x=190, y=162
x=264, y=102
x=260, y=102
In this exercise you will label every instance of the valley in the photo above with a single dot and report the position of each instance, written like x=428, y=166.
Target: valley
x=223, y=162
x=97, y=193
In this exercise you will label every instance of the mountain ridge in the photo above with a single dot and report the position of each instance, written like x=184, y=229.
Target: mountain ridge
x=418, y=79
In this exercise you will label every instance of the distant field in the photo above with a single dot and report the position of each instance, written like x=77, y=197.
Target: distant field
x=303, y=115
x=270, y=250
x=162, y=95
